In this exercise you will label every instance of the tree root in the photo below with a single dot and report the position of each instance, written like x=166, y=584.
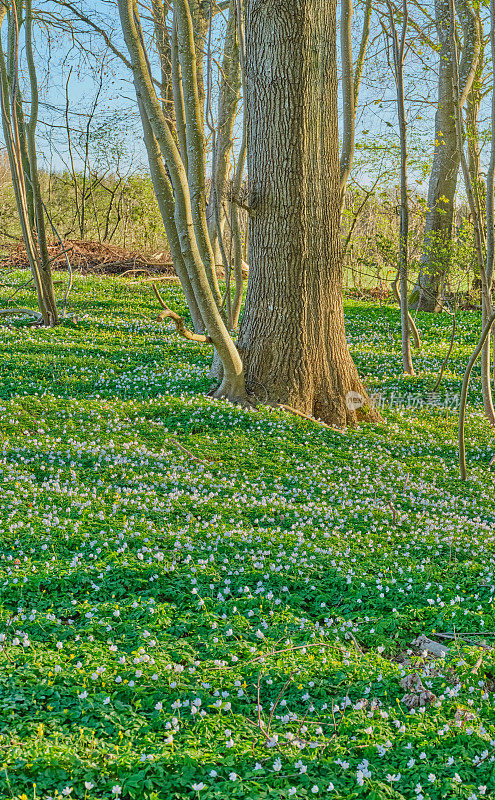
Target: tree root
x=179, y=322
x=295, y=411
x=23, y=312
x=227, y=391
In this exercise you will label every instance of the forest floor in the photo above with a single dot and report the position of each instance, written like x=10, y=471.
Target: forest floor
x=199, y=601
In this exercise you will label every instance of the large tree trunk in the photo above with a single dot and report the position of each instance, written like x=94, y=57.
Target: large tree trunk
x=445, y=168
x=292, y=337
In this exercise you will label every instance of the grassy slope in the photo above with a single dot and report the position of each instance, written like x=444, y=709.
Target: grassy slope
x=138, y=586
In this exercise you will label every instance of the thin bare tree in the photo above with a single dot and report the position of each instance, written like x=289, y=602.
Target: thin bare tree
x=436, y=252
x=398, y=47
x=20, y=140
x=485, y=266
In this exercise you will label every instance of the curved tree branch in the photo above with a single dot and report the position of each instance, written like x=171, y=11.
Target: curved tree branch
x=178, y=320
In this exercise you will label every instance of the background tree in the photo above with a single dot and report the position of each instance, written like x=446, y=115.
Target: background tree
x=399, y=49
x=179, y=179
x=20, y=140
x=443, y=178
x=222, y=131
x=351, y=81
x=485, y=267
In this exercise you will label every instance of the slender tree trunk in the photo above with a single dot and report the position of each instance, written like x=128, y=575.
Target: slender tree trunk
x=473, y=105
x=160, y=9
x=437, y=241
x=486, y=277
x=398, y=47
x=351, y=81
x=235, y=225
x=181, y=191
x=21, y=148
x=228, y=102
x=292, y=336
x=164, y=196
x=490, y=220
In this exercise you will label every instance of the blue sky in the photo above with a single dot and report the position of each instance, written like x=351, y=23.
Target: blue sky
x=116, y=131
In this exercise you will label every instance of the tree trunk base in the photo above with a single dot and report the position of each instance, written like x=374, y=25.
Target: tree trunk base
x=234, y=392
x=420, y=302
x=338, y=399
x=216, y=368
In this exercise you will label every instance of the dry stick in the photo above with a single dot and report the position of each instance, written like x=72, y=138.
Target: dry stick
x=279, y=652
x=258, y=703
x=20, y=288
x=305, y=416
x=174, y=278
x=367, y=195
x=355, y=643
x=464, y=391
x=186, y=451
x=279, y=697
x=464, y=635
x=178, y=320
x=135, y=272
x=478, y=664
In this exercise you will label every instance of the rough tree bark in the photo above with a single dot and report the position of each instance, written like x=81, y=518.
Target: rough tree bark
x=445, y=168
x=292, y=338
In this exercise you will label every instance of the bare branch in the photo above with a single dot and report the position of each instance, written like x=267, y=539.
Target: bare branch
x=178, y=320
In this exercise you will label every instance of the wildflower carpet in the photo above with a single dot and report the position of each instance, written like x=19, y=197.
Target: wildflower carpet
x=198, y=601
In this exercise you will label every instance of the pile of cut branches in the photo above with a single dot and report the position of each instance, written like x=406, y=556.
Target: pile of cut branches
x=96, y=258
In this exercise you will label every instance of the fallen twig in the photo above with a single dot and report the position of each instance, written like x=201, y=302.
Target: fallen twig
x=186, y=451
x=355, y=642
x=308, y=416
x=279, y=652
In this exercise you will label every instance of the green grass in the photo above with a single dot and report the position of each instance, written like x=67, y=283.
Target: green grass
x=291, y=565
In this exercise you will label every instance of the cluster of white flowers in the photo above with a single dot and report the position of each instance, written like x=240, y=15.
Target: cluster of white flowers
x=189, y=592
